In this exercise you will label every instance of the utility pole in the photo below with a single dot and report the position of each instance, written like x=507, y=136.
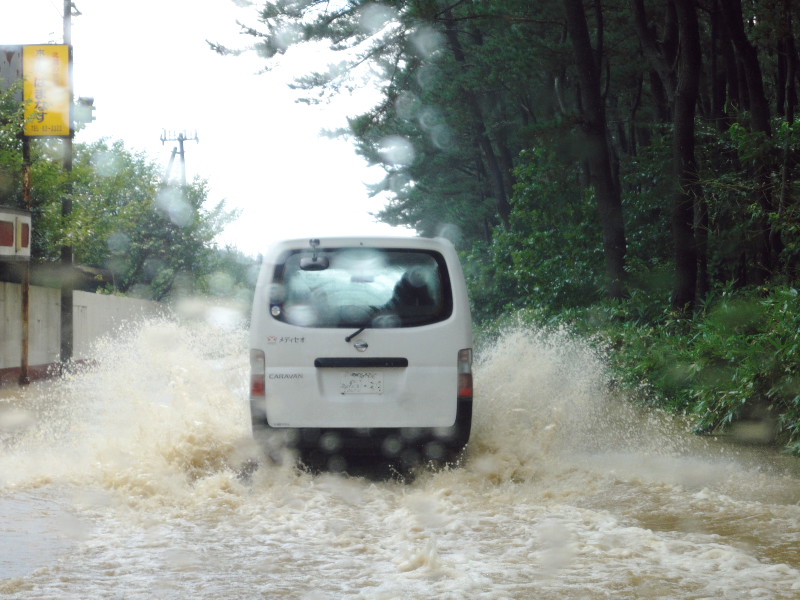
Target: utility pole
x=24, y=360
x=180, y=138
x=67, y=271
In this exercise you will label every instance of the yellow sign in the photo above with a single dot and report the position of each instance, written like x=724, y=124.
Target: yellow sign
x=46, y=90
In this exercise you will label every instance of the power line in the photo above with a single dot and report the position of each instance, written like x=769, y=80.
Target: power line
x=57, y=8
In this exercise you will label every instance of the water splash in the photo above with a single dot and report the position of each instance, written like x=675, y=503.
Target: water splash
x=160, y=401
x=566, y=491
x=166, y=400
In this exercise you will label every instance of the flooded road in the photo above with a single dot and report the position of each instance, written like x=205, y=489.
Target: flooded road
x=122, y=482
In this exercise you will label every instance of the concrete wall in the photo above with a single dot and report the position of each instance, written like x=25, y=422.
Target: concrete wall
x=43, y=331
x=94, y=315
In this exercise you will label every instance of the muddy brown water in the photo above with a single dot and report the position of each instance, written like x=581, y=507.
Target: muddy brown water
x=122, y=481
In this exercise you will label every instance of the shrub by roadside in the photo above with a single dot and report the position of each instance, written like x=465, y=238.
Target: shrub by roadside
x=736, y=363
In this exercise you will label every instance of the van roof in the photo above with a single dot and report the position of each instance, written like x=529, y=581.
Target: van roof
x=366, y=241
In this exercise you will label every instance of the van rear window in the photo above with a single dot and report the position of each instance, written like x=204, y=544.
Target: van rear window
x=361, y=287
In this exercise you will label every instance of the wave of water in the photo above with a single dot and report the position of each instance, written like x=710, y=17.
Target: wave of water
x=122, y=481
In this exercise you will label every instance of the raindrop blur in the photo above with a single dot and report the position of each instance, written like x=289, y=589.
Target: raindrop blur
x=288, y=35
x=106, y=164
x=430, y=117
x=6, y=183
x=427, y=76
x=153, y=266
x=252, y=274
x=140, y=290
x=14, y=419
x=304, y=315
x=374, y=17
x=171, y=202
x=220, y=283
x=226, y=318
x=399, y=183
x=442, y=137
x=407, y=105
x=451, y=232
x=363, y=261
x=427, y=41
x=397, y=150
x=118, y=243
x=432, y=121
x=277, y=292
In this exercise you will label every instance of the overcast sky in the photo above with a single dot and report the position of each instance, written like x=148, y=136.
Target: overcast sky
x=149, y=68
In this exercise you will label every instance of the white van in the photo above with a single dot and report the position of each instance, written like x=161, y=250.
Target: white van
x=362, y=344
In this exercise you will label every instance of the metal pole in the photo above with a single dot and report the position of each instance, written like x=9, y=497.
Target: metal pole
x=24, y=378
x=181, y=139
x=66, y=210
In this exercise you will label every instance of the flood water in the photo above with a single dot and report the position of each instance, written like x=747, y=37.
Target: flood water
x=122, y=481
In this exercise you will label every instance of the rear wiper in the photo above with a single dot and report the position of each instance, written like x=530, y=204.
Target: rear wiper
x=352, y=335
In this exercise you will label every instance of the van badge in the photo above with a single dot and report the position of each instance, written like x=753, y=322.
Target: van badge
x=361, y=345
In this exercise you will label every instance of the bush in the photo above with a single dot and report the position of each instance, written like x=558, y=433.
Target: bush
x=747, y=351
x=738, y=360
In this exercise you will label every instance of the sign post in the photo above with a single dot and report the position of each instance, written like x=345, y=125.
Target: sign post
x=46, y=90
x=46, y=74
x=47, y=93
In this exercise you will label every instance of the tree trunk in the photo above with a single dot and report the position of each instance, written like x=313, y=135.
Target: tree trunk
x=599, y=155
x=660, y=55
x=769, y=241
x=790, y=59
x=758, y=105
x=718, y=72
x=683, y=213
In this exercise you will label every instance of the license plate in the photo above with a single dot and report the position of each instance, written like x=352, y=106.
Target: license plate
x=361, y=382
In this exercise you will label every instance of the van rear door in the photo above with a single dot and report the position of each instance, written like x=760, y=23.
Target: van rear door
x=362, y=337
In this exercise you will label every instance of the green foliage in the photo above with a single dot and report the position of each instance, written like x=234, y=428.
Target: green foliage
x=151, y=240
x=737, y=361
x=555, y=246
x=493, y=290
x=230, y=275
x=156, y=240
x=648, y=187
x=113, y=195
x=461, y=83
x=785, y=221
x=747, y=362
x=550, y=254
x=11, y=118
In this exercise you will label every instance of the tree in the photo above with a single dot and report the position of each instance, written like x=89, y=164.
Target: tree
x=11, y=118
x=473, y=92
x=759, y=122
x=449, y=113
x=156, y=239
x=152, y=240
x=685, y=164
x=682, y=85
x=598, y=154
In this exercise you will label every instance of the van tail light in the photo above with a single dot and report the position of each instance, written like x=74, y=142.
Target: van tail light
x=465, y=374
x=257, y=373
